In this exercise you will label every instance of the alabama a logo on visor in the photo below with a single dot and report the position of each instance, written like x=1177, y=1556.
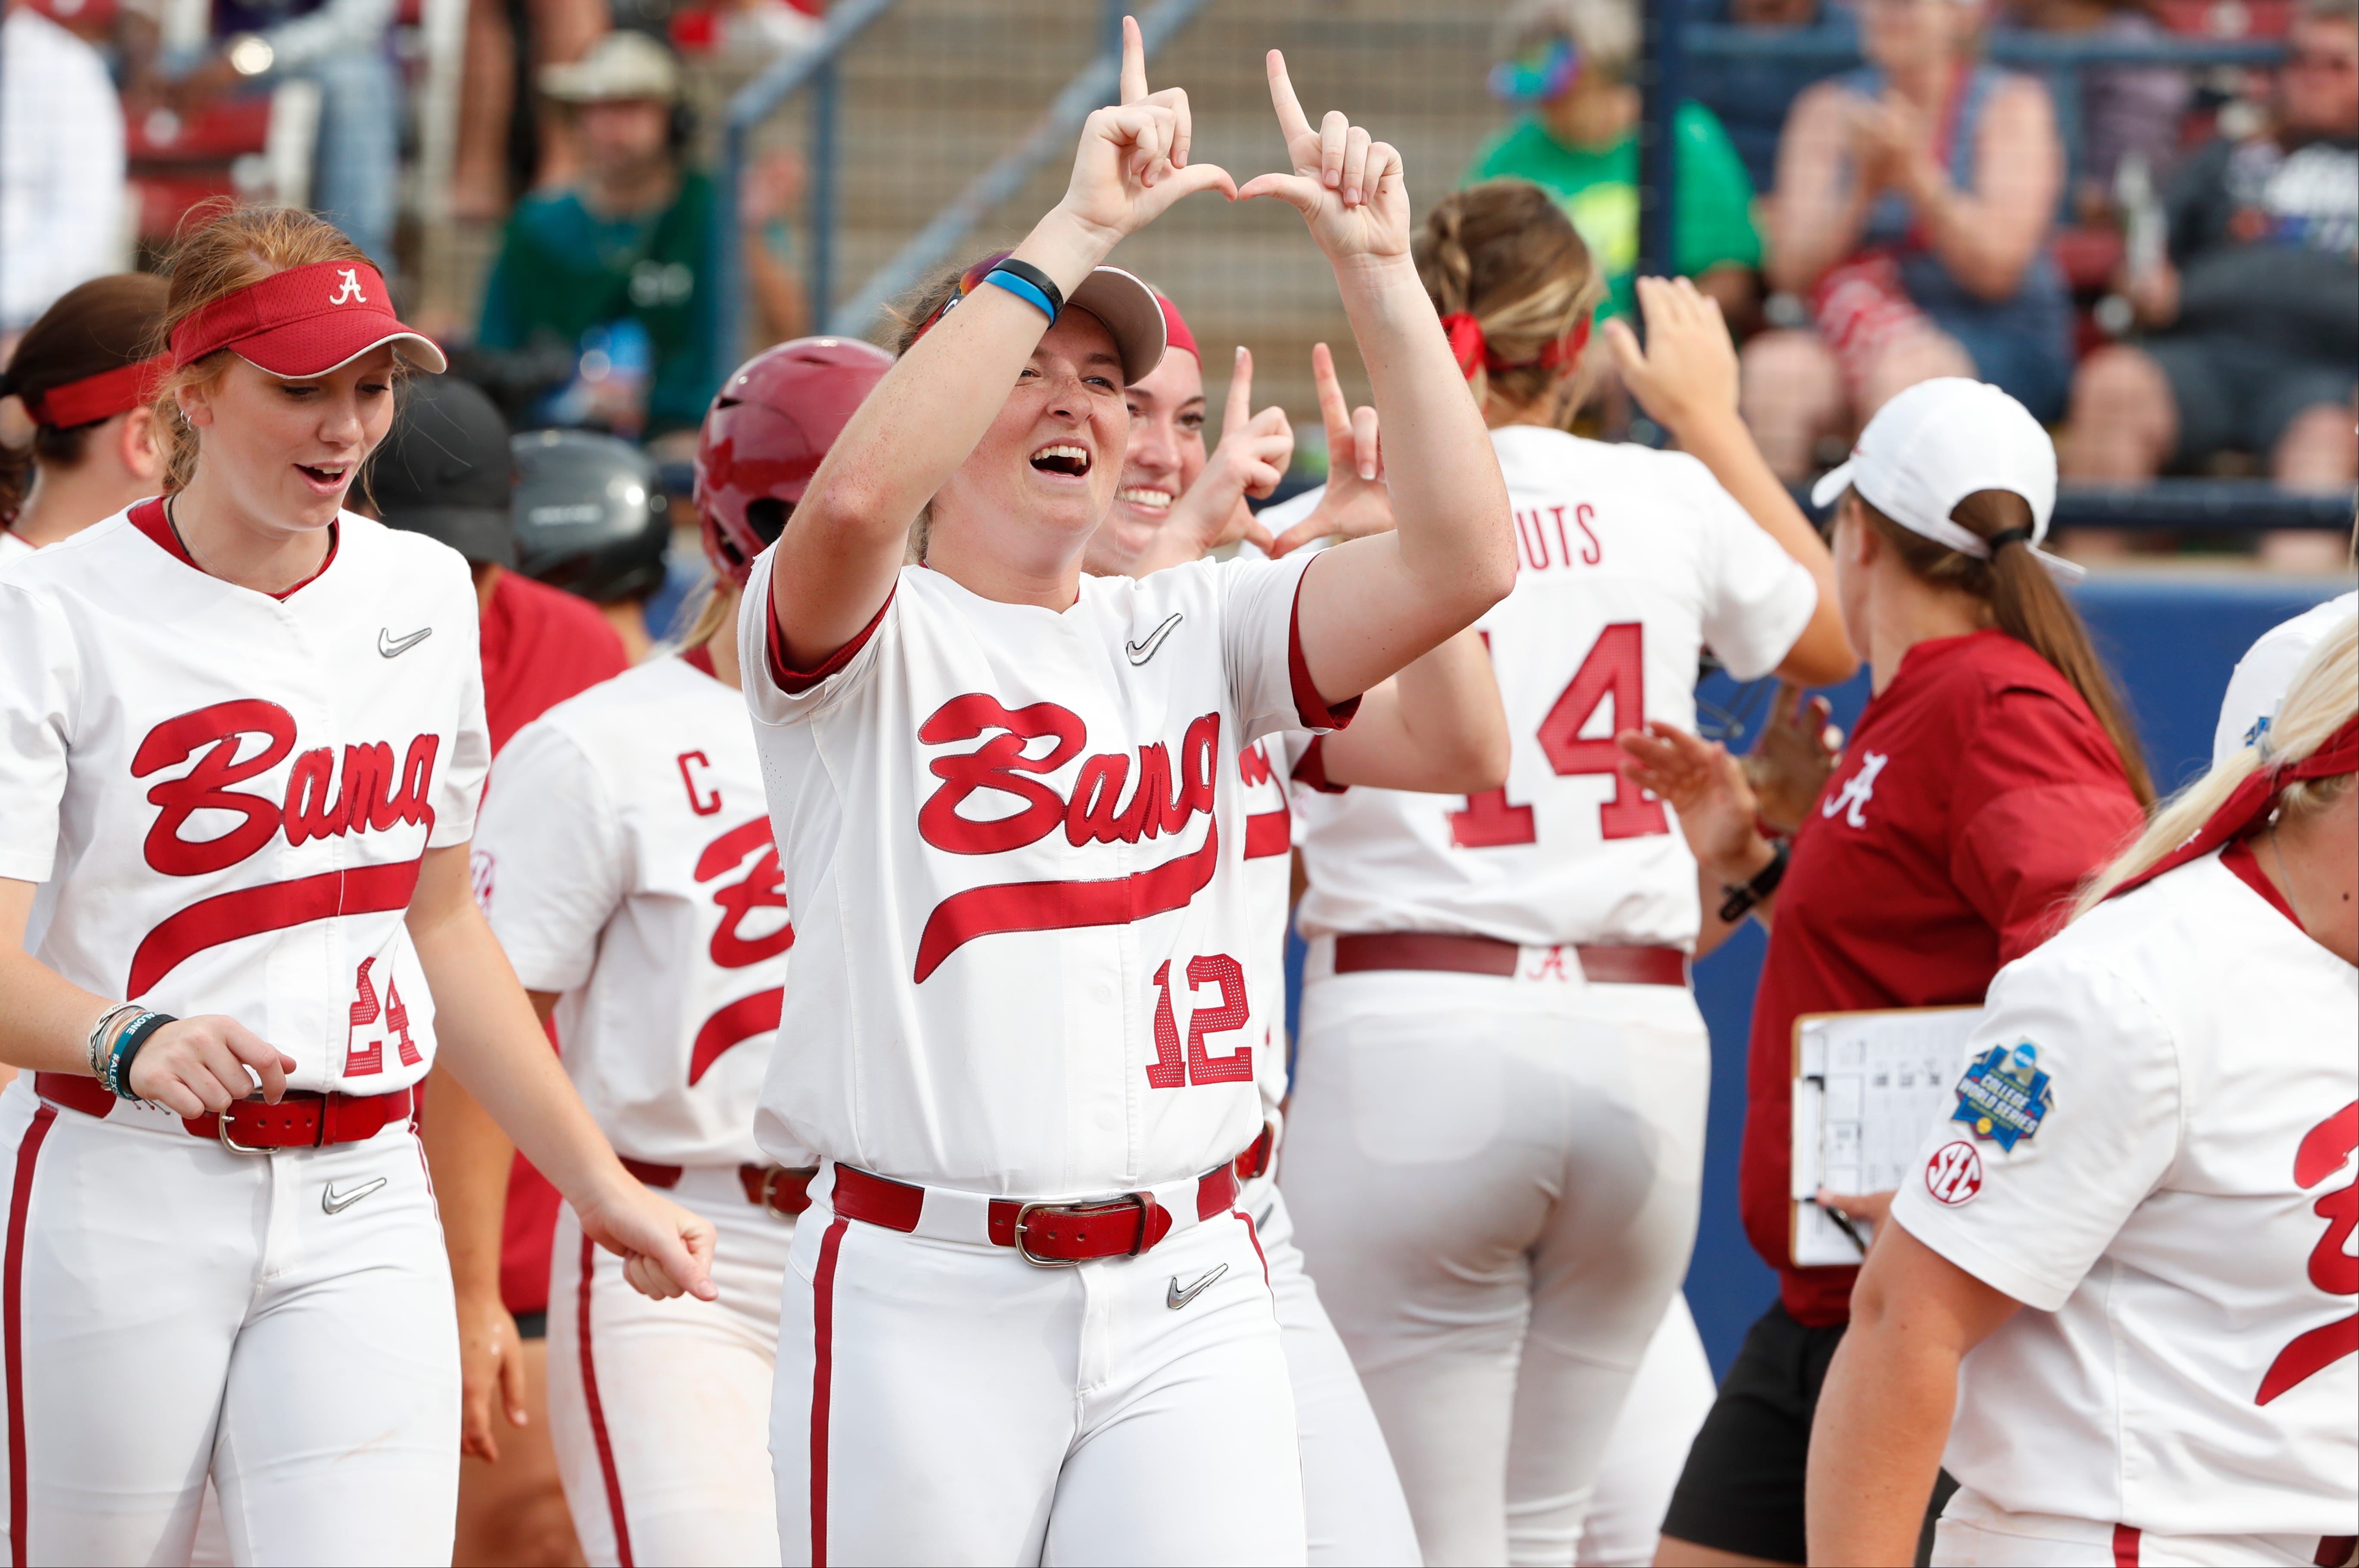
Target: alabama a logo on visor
x=2004, y=1095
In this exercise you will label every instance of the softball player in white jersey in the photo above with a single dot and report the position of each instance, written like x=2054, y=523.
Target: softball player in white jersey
x=1436, y=726
x=1496, y=1136
x=626, y=862
x=1020, y=1030
x=243, y=737
x=2152, y=1147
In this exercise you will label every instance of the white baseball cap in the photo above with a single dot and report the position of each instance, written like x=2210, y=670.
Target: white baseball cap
x=1937, y=443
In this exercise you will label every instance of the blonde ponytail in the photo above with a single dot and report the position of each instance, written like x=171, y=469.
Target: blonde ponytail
x=2324, y=696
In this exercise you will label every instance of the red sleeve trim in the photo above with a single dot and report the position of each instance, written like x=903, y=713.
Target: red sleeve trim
x=2239, y=857
x=1316, y=712
x=1311, y=767
x=794, y=682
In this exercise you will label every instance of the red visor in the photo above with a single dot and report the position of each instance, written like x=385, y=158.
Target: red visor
x=1175, y=330
x=305, y=322
x=100, y=397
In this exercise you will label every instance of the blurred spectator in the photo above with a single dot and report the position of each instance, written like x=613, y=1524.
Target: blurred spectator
x=511, y=138
x=612, y=271
x=341, y=47
x=1752, y=94
x=1914, y=200
x=2125, y=109
x=60, y=167
x=2255, y=309
x=1567, y=63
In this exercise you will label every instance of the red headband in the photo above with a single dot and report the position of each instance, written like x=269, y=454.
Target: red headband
x=2255, y=797
x=99, y=396
x=1175, y=330
x=1473, y=349
x=304, y=322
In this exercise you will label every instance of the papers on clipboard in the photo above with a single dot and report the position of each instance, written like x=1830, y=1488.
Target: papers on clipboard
x=1867, y=1085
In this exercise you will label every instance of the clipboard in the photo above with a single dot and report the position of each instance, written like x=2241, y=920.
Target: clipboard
x=1866, y=1086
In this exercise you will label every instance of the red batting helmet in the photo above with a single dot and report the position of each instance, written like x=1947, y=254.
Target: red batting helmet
x=764, y=436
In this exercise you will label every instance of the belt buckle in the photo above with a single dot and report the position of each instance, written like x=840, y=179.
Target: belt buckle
x=1026, y=1211
x=770, y=1175
x=221, y=1130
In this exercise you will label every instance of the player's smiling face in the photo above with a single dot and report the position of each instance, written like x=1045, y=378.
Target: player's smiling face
x=285, y=453
x=1165, y=455
x=1049, y=463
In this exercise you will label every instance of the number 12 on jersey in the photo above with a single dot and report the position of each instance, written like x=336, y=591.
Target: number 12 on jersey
x=1614, y=668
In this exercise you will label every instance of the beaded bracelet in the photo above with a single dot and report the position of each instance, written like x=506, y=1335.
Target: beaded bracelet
x=118, y=1077
x=98, y=1033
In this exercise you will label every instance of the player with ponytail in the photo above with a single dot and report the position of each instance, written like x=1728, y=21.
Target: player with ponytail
x=1511, y=963
x=85, y=373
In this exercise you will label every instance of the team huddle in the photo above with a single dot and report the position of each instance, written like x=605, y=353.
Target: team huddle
x=941, y=1182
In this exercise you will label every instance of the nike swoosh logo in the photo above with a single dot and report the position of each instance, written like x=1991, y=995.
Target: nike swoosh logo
x=392, y=646
x=336, y=1203
x=1140, y=652
x=1173, y=1296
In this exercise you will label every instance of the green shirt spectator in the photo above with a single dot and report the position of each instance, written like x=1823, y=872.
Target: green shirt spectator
x=1598, y=187
x=1565, y=64
x=564, y=268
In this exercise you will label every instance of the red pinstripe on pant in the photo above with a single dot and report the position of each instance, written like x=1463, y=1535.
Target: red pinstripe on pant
x=822, y=1378
x=12, y=1323
x=598, y=1411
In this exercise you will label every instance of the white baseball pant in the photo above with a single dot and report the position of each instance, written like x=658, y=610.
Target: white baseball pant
x=660, y=1410
x=1352, y=1501
x=1666, y=1406
x=175, y=1309
x=1495, y=1182
x=941, y=1400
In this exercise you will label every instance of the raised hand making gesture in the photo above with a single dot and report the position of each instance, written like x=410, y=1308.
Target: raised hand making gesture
x=1355, y=502
x=1132, y=163
x=1250, y=461
x=1348, y=187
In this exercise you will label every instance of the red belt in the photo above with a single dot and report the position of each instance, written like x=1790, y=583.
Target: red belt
x=776, y=1191
x=305, y=1118
x=1488, y=955
x=1046, y=1233
x=1254, y=1162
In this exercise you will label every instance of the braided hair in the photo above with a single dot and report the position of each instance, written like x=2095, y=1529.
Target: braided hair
x=1504, y=253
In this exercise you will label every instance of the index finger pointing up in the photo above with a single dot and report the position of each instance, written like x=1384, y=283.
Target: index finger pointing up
x=1134, y=62
x=1292, y=124
x=1333, y=412
x=1239, y=413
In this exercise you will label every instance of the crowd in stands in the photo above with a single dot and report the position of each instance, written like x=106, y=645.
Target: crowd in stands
x=2160, y=260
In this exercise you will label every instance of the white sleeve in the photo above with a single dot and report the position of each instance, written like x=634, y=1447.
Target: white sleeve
x=461, y=793
x=775, y=696
x=1261, y=649
x=1757, y=598
x=41, y=683
x=2030, y=1221
x=549, y=858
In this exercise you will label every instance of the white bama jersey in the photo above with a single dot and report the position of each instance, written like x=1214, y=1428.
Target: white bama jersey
x=2268, y=667
x=1261, y=769
x=12, y=548
x=1630, y=561
x=226, y=794
x=626, y=860
x=1013, y=840
x=2172, y=1106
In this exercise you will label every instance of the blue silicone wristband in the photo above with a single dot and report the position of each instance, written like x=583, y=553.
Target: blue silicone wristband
x=1023, y=289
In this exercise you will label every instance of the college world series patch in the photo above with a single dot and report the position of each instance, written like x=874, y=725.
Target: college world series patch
x=2004, y=1095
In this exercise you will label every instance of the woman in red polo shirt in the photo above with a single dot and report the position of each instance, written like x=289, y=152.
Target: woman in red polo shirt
x=1992, y=770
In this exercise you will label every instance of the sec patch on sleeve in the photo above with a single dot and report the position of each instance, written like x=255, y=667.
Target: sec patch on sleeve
x=2004, y=1095
x=1954, y=1174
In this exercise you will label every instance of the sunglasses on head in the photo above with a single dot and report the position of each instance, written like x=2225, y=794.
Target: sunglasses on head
x=968, y=282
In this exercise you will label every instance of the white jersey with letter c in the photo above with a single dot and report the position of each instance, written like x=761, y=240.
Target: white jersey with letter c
x=626, y=861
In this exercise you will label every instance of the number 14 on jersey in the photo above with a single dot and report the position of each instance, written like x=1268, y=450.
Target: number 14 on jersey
x=1616, y=669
